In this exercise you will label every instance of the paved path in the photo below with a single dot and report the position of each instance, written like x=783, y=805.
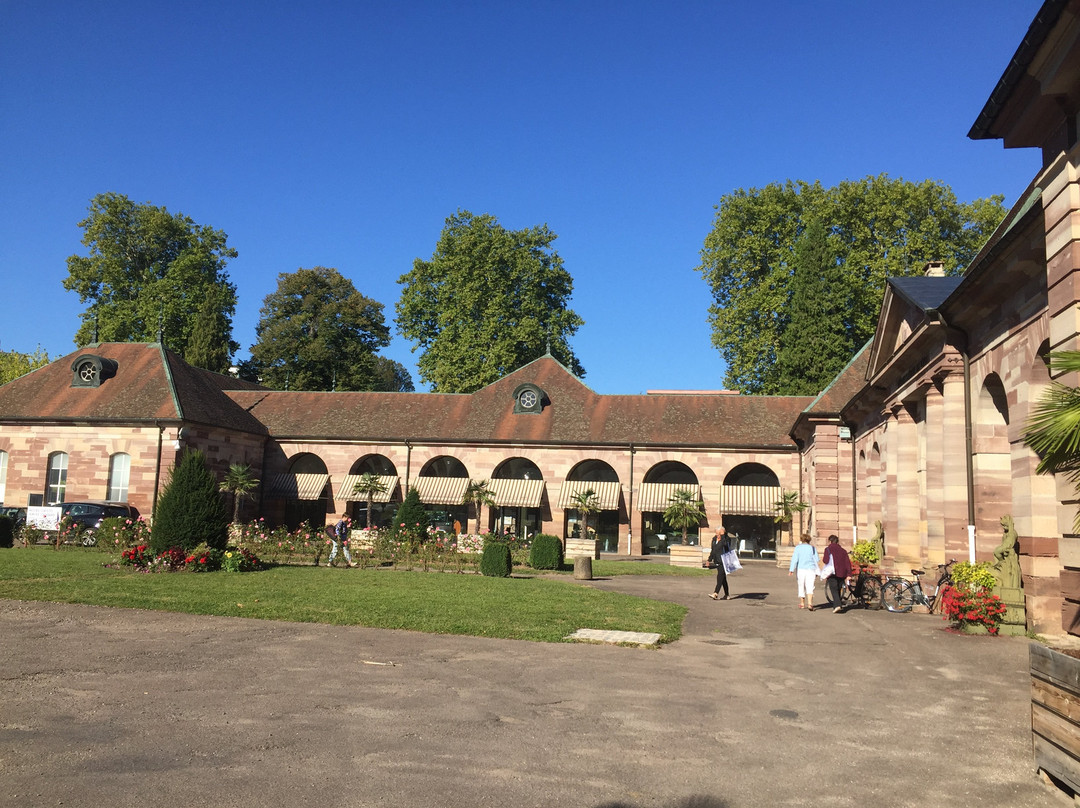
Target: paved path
x=759, y=704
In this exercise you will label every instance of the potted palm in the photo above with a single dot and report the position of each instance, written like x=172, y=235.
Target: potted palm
x=585, y=503
x=368, y=486
x=786, y=507
x=240, y=482
x=478, y=495
x=683, y=512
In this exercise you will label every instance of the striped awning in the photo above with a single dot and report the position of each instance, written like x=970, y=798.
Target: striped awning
x=749, y=500
x=345, y=490
x=298, y=486
x=656, y=497
x=440, y=490
x=607, y=494
x=517, y=493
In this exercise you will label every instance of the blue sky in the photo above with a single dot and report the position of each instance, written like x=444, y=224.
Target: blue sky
x=343, y=134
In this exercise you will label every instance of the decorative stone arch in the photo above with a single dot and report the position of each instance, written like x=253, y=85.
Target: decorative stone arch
x=748, y=500
x=305, y=489
x=603, y=480
x=441, y=484
x=521, y=507
x=658, y=485
x=991, y=462
x=384, y=505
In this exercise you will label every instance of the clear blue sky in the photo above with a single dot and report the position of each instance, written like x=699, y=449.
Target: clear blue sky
x=343, y=134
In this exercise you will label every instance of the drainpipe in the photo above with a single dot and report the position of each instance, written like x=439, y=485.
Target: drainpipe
x=854, y=489
x=630, y=507
x=157, y=470
x=962, y=347
x=408, y=463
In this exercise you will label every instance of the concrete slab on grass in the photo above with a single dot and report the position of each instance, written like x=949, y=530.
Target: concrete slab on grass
x=597, y=635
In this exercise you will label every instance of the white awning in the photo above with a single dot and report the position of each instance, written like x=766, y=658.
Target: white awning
x=345, y=490
x=656, y=497
x=298, y=486
x=607, y=494
x=749, y=500
x=440, y=490
x=517, y=493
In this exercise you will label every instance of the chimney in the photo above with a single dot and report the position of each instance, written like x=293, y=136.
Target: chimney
x=934, y=269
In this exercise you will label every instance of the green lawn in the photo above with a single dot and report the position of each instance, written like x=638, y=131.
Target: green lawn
x=525, y=607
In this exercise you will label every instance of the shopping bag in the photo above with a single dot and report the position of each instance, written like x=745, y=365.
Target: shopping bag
x=827, y=570
x=730, y=561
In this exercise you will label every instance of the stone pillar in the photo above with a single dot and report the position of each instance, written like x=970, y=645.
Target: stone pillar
x=954, y=468
x=934, y=426
x=904, y=445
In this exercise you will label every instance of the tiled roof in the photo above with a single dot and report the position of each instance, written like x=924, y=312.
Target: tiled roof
x=925, y=292
x=574, y=414
x=150, y=383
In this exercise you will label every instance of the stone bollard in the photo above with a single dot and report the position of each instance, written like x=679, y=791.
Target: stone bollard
x=583, y=568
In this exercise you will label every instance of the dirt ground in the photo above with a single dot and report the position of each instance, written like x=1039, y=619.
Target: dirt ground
x=760, y=704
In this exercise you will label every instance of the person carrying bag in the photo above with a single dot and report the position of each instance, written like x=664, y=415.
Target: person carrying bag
x=719, y=554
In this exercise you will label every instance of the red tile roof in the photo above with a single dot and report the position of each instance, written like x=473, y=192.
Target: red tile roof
x=573, y=414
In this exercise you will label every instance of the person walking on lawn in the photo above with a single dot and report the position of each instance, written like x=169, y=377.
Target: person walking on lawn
x=339, y=534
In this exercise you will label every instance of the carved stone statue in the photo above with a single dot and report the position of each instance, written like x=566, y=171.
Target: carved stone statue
x=1007, y=561
x=878, y=540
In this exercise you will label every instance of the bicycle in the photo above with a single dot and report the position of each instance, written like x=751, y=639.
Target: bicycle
x=864, y=591
x=900, y=594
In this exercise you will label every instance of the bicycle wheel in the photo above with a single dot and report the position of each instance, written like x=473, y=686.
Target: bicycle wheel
x=870, y=596
x=898, y=596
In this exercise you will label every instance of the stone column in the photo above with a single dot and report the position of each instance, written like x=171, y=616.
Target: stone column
x=904, y=445
x=935, y=474
x=954, y=468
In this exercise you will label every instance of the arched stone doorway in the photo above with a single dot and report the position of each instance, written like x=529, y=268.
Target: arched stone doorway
x=658, y=486
x=748, y=500
x=991, y=463
x=518, y=489
x=603, y=481
x=384, y=504
x=306, y=491
x=441, y=485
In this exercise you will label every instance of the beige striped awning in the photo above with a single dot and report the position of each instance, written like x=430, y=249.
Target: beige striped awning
x=749, y=500
x=607, y=494
x=345, y=490
x=298, y=486
x=517, y=493
x=655, y=497
x=440, y=490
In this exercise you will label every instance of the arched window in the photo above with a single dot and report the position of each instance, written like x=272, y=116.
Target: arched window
x=56, y=484
x=119, y=472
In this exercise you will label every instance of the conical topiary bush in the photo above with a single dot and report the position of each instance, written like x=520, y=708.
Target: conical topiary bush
x=190, y=510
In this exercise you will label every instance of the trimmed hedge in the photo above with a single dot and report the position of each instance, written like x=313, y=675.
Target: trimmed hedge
x=7, y=531
x=495, y=560
x=546, y=552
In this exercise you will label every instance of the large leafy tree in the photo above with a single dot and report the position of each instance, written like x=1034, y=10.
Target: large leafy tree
x=817, y=342
x=878, y=227
x=148, y=273
x=317, y=332
x=14, y=364
x=489, y=301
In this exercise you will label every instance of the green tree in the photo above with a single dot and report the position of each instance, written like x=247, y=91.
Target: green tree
x=148, y=271
x=878, y=227
x=478, y=495
x=240, y=482
x=392, y=376
x=586, y=503
x=1053, y=428
x=411, y=519
x=489, y=301
x=368, y=486
x=317, y=332
x=815, y=345
x=684, y=511
x=190, y=510
x=209, y=346
x=14, y=364
x=786, y=507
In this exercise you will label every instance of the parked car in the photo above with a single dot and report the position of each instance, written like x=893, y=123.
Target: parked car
x=18, y=515
x=90, y=514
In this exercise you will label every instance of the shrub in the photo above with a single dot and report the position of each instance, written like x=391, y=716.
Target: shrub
x=203, y=559
x=118, y=533
x=972, y=607
x=137, y=556
x=864, y=552
x=7, y=531
x=237, y=559
x=190, y=510
x=411, y=520
x=546, y=552
x=495, y=560
x=973, y=576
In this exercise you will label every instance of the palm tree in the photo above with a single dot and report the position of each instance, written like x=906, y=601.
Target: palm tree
x=684, y=511
x=585, y=502
x=478, y=494
x=1053, y=429
x=240, y=482
x=787, y=506
x=369, y=485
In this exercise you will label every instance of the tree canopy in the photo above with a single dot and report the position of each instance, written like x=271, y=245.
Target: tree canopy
x=14, y=364
x=876, y=227
x=149, y=272
x=487, y=302
x=317, y=332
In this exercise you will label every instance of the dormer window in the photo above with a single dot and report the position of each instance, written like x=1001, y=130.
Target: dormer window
x=90, y=371
x=529, y=398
